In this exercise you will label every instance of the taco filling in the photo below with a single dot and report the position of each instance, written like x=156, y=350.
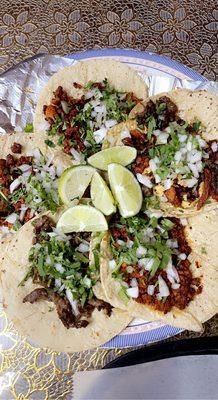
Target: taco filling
x=82, y=123
x=60, y=265
x=151, y=260
x=28, y=185
x=174, y=163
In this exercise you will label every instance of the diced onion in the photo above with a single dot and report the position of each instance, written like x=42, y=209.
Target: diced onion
x=133, y=282
x=133, y=292
x=163, y=288
x=175, y=286
x=129, y=244
x=182, y=138
x=141, y=251
x=125, y=133
x=87, y=282
x=83, y=248
x=121, y=242
x=15, y=184
x=112, y=264
x=167, y=184
x=144, y=180
x=129, y=269
x=59, y=267
x=12, y=218
x=24, y=167
x=146, y=263
x=182, y=256
x=152, y=165
x=58, y=282
x=184, y=221
x=162, y=138
x=191, y=182
x=110, y=122
x=100, y=134
x=214, y=147
x=150, y=290
x=76, y=155
x=172, y=243
x=194, y=169
x=73, y=303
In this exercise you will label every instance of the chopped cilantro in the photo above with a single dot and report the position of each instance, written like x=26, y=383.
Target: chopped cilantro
x=196, y=125
x=49, y=143
x=123, y=295
x=203, y=250
x=28, y=128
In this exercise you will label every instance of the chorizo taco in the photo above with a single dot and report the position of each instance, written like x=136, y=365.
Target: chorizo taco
x=81, y=102
x=152, y=268
x=175, y=135
x=49, y=284
x=29, y=172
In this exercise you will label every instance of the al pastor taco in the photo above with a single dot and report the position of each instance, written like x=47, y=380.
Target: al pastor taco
x=151, y=268
x=48, y=283
x=29, y=172
x=175, y=135
x=80, y=103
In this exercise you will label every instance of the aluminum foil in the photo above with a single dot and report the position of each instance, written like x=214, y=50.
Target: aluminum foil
x=21, y=85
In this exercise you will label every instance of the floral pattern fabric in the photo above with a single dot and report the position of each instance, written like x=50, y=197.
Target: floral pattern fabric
x=183, y=30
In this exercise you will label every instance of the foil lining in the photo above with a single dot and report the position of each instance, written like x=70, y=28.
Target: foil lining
x=21, y=85
x=27, y=371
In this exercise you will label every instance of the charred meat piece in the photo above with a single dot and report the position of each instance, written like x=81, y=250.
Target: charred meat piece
x=168, y=114
x=10, y=161
x=141, y=163
x=50, y=112
x=128, y=142
x=16, y=148
x=64, y=310
x=24, y=160
x=177, y=232
x=3, y=208
x=101, y=305
x=173, y=197
x=139, y=139
x=206, y=188
x=77, y=85
x=43, y=224
x=37, y=295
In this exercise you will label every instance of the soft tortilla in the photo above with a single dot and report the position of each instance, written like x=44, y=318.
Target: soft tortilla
x=192, y=105
x=203, y=307
x=39, y=321
x=119, y=75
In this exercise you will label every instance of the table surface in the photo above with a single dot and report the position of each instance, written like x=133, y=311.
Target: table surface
x=183, y=30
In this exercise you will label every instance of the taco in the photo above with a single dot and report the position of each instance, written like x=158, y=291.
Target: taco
x=175, y=135
x=48, y=283
x=80, y=103
x=149, y=267
x=29, y=172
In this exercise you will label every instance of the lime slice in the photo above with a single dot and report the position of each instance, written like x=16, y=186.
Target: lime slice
x=125, y=189
x=123, y=155
x=73, y=183
x=101, y=195
x=82, y=219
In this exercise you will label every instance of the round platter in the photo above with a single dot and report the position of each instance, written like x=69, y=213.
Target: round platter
x=140, y=332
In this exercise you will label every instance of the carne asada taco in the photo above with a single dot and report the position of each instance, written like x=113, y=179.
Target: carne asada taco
x=149, y=268
x=29, y=172
x=175, y=135
x=48, y=288
x=80, y=103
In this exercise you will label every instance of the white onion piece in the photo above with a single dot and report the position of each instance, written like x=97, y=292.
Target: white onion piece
x=65, y=106
x=182, y=256
x=59, y=267
x=214, y=147
x=100, y=109
x=24, y=167
x=58, y=282
x=129, y=244
x=87, y=282
x=12, y=218
x=125, y=134
x=201, y=141
x=146, y=263
x=37, y=200
x=61, y=288
x=129, y=269
x=152, y=165
x=182, y=138
x=73, y=303
x=175, y=286
x=172, y=272
x=156, y=214
x=178, y=156
x=163, y=288
x=112, y=264
x=89, y=94
x=121, y=242
x=83, y=248
x=191, y=182
x=150, y=290
x=100, y=134
x=22, y=214
x=184, y=221
x=133, y=292
x=194, y=169
x=194, y=156
x=133, y=282
x=189, y=146
x=76, y=155
x=48, y=260
x=167, y=184
x=172, y=243
x=15, y=184
x=141, y=251
x=37, y=154
x=144, y=180
x=162, y=138
x=157, y=178
x=110, y=122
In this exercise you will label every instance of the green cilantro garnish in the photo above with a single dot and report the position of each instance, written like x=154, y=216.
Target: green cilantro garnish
x=203, y=250
x=49, y=143
x=28, y=128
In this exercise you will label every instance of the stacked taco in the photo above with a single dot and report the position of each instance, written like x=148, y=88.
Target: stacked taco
x=104, y=209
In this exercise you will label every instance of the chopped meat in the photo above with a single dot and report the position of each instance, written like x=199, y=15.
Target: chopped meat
x=50, y=112
x=64, y=310
x=67, y=146
x=172, y=196
x=3, y=208
x=37, y=295
x=2, y=163
x=24, y=160
x=10, y=161
x=139, y=139
x=128, y=141
x=17, y=206
x=177, y=232
x=77, y=85
x=101, y=305
x=206, y=188
x=140, y=164
x=119, y=233
x=28, y=216
x=169, y=114
x=43, y=223
x=16, y=148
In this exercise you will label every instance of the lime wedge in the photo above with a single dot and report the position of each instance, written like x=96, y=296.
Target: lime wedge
x=101, y=195
x=123, y=155
x=125, y=189
x=73, y=183
x=82, y=219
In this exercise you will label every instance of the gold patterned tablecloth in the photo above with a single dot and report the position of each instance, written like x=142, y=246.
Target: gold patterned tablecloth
x=183, y=30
